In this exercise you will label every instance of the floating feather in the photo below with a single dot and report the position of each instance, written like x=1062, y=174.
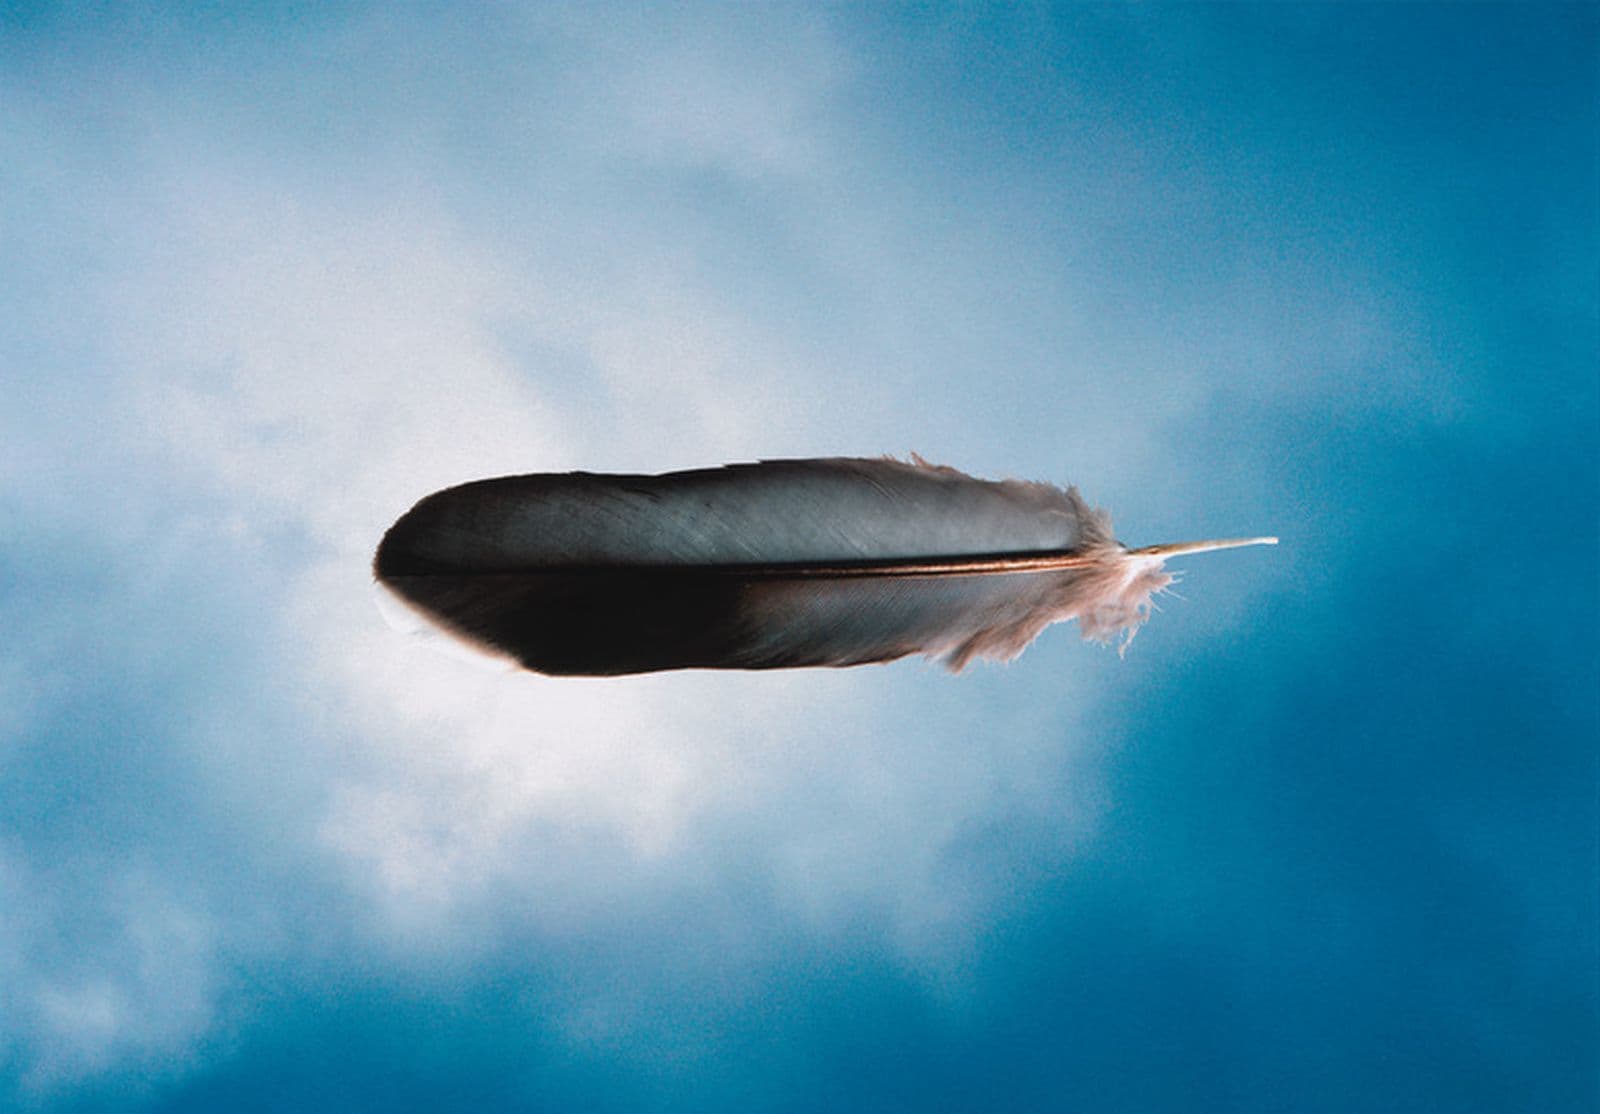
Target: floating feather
x=766, y=566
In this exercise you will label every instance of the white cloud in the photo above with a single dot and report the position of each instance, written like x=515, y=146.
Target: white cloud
x=138, y=994
x=298, y=345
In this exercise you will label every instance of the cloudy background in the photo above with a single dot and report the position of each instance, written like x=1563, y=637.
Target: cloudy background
x=1324, y=840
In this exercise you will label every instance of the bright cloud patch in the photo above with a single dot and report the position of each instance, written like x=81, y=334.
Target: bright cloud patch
x=291, y=371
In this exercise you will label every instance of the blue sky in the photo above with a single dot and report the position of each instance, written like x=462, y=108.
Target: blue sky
x=1326, y=839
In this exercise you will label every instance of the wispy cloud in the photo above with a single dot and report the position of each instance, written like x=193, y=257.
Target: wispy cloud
x=288, y=367
x=276, y=279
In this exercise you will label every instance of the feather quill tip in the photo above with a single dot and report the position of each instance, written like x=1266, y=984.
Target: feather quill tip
x=1118, y=597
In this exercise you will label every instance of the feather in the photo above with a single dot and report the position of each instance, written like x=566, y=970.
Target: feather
x=765, y=566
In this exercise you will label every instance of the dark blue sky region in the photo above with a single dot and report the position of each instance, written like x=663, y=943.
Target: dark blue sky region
x=1325, y=839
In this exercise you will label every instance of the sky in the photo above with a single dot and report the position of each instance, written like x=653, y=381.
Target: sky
x=1324, y=839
